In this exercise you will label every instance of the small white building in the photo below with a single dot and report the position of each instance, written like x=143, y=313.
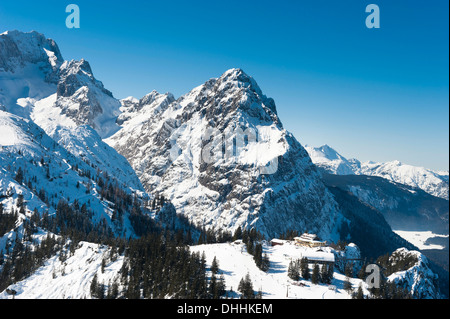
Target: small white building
x=319, y=257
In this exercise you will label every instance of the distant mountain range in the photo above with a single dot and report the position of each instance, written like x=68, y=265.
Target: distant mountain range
x=411, y=198
x=432, y=182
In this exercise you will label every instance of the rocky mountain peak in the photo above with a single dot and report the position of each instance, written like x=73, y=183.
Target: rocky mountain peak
x=17, y=49
x=75, y=74
x=233, y=97
x=267, y=181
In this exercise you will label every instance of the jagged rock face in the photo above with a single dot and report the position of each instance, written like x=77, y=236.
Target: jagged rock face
x=70, y=74
x=150, y=105
x=32, y=68
x=221, y=155
x=84, y=99
x=29, y=66
x=19, y=49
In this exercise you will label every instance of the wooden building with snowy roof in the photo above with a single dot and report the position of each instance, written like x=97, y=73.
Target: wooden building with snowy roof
x=309, y=240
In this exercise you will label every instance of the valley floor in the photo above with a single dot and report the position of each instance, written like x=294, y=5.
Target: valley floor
x=420, y=238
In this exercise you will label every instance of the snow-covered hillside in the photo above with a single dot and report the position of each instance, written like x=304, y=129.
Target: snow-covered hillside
x=418, y=277
x=44, y=172
x=235, y=263
x=70, y=276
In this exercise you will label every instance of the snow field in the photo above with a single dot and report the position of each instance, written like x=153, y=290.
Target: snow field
x=235, y=263
x=70, y=279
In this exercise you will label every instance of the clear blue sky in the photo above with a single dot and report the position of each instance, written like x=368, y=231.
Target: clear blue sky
x=374, y=94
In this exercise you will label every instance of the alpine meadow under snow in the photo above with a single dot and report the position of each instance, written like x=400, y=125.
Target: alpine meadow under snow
x=166, y=197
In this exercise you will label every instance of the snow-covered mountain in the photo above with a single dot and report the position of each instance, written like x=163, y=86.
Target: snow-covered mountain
x=32, y=69
x=55, y=112
x=63, y=98
x=331, y=161
x=432, y=182
x=88, y=169
x=404, y=207
x=29, y=64
x=260, y=176
x=37, y=167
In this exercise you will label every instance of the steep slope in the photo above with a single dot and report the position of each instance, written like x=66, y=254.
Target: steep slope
x=45, y=173
x=32, y=69
x=222, y=157
x=85, y=100
x=63, y=98
x=29, y=64
x=432, y=182
x=368, y=227
x=411, y=270
x=404, y=207
x=70, y=277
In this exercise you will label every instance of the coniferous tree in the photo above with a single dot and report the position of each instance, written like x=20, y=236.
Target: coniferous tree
x=221, y=286
x=257, y=255
x=349, y=270
x=326, y=274
x=359, y=293
x=214, y=266
x=246, y=288
x=293, y=270
x=93, y=287
x=19, y=176
x=20, y=201
x=315, y=277
x=237, y=234
x=304, y=268
x=212, y=289
x=347, y=284
x=265, y=266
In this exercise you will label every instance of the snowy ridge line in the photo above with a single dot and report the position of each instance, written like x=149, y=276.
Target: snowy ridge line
x=432, y=182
